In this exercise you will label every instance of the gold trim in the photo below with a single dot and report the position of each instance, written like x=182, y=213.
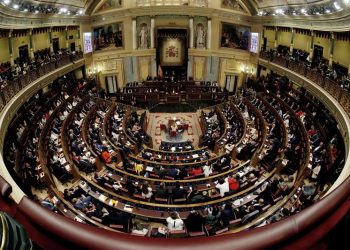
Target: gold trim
x=4, y=228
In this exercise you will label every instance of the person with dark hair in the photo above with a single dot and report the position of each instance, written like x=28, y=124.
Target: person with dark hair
x=194, y=222
x=223, y=186
x=175, y=222
x=195, y=196
x=162, y=191
x=146, y=191
x=107, y=158
x=227, y=214
x=213, y=217
x=178, y=192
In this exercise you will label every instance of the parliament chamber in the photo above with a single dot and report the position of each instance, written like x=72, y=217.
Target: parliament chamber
x=174, y=124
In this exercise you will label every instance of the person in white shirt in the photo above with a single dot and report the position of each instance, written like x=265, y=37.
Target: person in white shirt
x=174, y=222
x=207, y=169
x=223, y=186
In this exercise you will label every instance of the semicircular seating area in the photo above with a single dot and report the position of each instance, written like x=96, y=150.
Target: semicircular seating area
x=261, y=157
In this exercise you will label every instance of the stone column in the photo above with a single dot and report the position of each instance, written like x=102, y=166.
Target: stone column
x=191, y=32
x=50, y=40
x=31, y=45
x=331, y=50
x=312, y=44
x=209, y=34
x=292, y=40
x=78, y=41
x=134, y=35
x=10, y=43
x=152, y=33
x=67, y=38
x=276, y=37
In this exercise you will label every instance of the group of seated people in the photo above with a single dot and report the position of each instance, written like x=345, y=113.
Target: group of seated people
x=145, y=179
x=135, y=128
x=213, y=128
x=177, y=172
x=176, y=146
x=23, y=67
x=174, y=157
x=317, y=63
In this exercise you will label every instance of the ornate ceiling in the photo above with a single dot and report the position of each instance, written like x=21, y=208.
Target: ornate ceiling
x=250, y=4
x=67, y=3
x=253, y=7
x=281, y=3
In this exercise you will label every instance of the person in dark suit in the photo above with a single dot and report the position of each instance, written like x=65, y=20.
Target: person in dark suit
x=194, y=222
x=227, y=214
x=178, y=192
x=162, y=191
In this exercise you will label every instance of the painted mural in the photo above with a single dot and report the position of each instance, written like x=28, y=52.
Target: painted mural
x=234, y=36
x=108, y=36
x=109, y=4
x=232, y=4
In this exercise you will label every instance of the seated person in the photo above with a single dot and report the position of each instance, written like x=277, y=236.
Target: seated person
x=195, y=196
x=233, y=183
x=116, y=185
x=207, y=169
x=213, y=217
x=138, y=168
x=194, y=222
x=178, y=192
x=223, y=186
x=107, y=158
x=139, y=228
x=227, y=214
x=162, y=191
x=82, y=202
x=146, y=191
x=174, y=222
x=196, y=171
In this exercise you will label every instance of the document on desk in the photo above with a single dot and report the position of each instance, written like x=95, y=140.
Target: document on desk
x=102, y=198
x=113, y=203
x=194, y=156
x=128, y=208
x=149, y=169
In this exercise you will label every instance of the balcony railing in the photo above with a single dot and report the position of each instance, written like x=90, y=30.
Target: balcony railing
x=331, y=86
x=195, y=3
x=12, y=87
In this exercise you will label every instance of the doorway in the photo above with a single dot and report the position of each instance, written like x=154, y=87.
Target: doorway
x=318, y=54
x=111, y=84
x=264, y=44
x=231, y=83
x=72, y=47
x=56, y=44
x=23, y=53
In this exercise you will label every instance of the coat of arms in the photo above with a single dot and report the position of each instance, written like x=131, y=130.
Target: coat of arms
x=172, y=51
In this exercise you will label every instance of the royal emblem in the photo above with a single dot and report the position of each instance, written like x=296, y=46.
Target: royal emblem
x=172, y=51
